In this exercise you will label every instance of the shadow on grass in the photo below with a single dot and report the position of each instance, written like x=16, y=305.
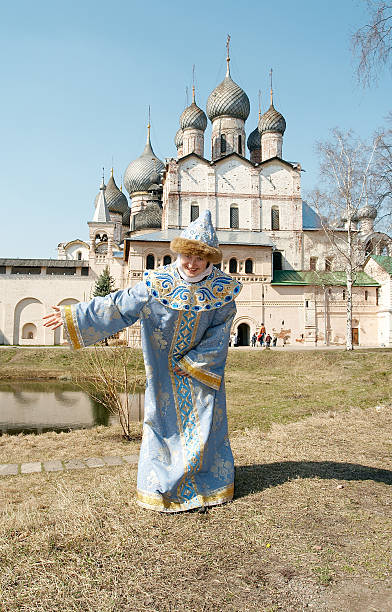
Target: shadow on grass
x=255, y=478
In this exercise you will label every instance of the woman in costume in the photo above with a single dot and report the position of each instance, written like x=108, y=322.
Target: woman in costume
x=186, y=310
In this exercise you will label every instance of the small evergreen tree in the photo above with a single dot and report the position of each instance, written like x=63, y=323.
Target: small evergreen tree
x=104, y=284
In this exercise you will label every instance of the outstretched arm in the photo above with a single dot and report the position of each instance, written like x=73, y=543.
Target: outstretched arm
x=89, y=322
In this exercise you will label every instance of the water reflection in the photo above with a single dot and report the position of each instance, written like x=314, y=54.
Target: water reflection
x=37, y=407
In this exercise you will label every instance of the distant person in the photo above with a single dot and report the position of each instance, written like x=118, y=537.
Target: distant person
x=254, y=338
x=274, y=341
x=268, y=340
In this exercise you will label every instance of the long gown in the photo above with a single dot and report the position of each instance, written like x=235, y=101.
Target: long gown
x=185, y=457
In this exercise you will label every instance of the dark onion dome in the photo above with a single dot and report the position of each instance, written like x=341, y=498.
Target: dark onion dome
x=254, y=141
x=193, y=117
x=138, y=175
x=126, y=217
x=272, y=121
x=179, y=138
x=228, y=99
x=367, y=212
x=116, y=200
x=149, y=218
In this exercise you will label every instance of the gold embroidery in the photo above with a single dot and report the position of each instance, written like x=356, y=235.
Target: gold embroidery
x=208, y=378
x=159, y=502
x=71, y=327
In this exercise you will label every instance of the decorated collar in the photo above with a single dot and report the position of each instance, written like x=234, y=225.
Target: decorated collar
x=166, y=285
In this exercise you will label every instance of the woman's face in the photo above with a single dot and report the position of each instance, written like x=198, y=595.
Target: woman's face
x=193, y=265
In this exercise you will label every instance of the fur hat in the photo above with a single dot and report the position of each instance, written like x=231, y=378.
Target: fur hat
x=200, y=239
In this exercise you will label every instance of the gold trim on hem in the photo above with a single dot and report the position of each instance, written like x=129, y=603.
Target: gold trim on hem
x=161, y=504
x=208, y=378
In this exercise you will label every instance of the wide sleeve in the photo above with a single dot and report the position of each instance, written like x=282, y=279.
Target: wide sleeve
x=206, y=361
x=89, y=322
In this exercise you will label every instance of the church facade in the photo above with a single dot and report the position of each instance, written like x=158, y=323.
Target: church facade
x=272, y=241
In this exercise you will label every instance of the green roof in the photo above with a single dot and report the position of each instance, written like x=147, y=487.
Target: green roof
x=313, y=277
x=384, y=261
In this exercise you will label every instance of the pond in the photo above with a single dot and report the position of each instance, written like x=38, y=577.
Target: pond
x=37, y=407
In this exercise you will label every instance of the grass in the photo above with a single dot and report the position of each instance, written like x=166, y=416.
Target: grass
x=310, y=527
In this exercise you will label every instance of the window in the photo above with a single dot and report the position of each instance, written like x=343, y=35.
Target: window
x=366, y=295
x=29, y=331
x=194, y=212
x=313, y=263
x=79, y=256
x=275, y=218
x=384, y=251
x=150, y=262
x=223, y=143
x=233, y=266
x=240, y=144
x=166, y=260
x=276, y=261
x=85, y=271
x=248, y=266
x=234, y=217
x=344, y=294
x=377, y=295
x=328, y=264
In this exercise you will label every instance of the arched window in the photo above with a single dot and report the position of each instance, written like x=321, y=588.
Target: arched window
x=234, y=217
x=79, y=256
x=248, y=266
x=223, y=143
x=276, y=261
x=150, y=262
x=194, y=212
x=166, y=260
x=233, y=265
x=29, y=331
x=344, y=294
x=366, y=295
x=275, y=218
x=240, y=144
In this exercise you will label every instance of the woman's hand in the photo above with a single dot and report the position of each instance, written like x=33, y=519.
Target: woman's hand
x=53, y=319
x=177, y=370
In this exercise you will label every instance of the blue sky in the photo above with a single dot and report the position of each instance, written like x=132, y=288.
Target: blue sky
x=77, y=79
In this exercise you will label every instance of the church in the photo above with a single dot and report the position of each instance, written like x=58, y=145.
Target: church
x=271, y=240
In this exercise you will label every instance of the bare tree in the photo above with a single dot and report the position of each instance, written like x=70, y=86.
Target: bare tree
x=347, y=184
x=382, y=175
x=372, y=43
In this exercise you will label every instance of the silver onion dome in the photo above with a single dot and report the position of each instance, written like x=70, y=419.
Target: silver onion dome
x=367, y=212
x=149, y=218
x=139, y=173
x=116, y=199
x=126, y=217
x=272, y=121
x=228, y=99
x=179, y=138
x=193, y=117
x=254, y=141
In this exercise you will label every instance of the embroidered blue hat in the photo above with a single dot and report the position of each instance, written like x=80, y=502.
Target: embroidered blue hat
x=200, y=239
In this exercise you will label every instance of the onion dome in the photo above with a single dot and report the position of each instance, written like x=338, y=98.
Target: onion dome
x=367, y=212
x=115, y=199
x=179, y=138
x=254, y=141
x=193, y=117
x=126, y=217
x=272, y=121
x=138, y=175
x=149, y=218
x=228, y=99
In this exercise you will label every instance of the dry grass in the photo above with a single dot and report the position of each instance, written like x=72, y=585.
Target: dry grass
x=310, y=528
x=291, y=540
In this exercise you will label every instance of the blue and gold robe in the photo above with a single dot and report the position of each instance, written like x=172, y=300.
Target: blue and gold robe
x=185, y=457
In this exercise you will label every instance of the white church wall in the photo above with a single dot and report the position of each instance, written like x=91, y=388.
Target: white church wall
x=27, y=298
